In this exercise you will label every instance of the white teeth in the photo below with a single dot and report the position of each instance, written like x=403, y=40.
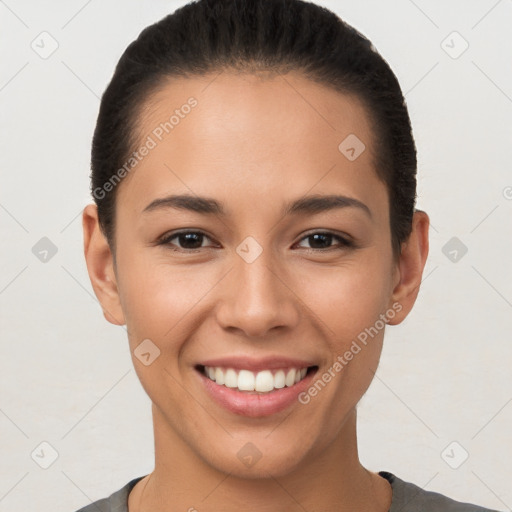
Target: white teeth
x=261, y=382
x=264, y=381
x=218, y=375
x=300, y=374
x=246, y=380
x=230, y=377
x=290, y=378
x=279, y=379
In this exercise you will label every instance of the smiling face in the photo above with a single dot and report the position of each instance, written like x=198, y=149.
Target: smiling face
x=287, y=260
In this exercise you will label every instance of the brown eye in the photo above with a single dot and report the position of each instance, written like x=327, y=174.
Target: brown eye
x=323, y=240
x=185, y=240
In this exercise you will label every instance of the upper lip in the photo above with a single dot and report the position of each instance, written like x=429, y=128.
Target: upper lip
x=252, y=364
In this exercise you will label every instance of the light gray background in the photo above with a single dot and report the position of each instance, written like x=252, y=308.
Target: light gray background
x=66, y=374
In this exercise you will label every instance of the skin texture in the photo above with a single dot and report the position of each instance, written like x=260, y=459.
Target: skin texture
x=254, y=143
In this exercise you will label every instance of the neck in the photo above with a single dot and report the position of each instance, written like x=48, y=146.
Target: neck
x=333, y=480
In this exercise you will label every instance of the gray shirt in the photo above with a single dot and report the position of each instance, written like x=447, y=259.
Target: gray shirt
x=407, y=497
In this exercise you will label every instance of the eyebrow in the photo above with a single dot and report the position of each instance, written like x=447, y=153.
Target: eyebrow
x=305, y=205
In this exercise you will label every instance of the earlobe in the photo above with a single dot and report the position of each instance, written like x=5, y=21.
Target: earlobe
x=410, y=267
x=100, y=266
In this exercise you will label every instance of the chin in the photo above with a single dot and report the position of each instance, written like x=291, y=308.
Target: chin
x=251, y=463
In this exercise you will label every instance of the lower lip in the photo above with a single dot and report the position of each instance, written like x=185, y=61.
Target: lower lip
x=255, y=405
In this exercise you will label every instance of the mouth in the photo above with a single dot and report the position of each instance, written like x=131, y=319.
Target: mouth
x=256, y=382
x=255, y=390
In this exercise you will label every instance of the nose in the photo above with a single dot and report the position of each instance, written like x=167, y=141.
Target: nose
x=258, y=298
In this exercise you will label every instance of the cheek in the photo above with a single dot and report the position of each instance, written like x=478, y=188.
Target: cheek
x=346, y=299
x=347, y=302
x=157, y=296
x=159, y=301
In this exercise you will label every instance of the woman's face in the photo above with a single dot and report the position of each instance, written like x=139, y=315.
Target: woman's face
x=250, y=287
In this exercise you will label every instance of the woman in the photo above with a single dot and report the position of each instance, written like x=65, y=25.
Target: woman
x=254, y=226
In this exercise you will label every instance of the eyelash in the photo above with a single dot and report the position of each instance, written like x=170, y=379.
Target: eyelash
x=344, y=243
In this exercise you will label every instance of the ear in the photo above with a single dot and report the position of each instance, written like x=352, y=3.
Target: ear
x=100, y=266
x=411, y=263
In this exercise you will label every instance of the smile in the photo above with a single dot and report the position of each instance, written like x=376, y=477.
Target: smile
x=251, y=402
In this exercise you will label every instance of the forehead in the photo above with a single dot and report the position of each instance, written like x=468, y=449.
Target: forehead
x=237, y=104
x=260, y=135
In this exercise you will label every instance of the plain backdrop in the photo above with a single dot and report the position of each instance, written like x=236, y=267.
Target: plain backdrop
x=443, y=390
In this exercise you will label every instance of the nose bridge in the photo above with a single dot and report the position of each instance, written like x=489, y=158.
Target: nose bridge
x=256, y=299
x=255, y=270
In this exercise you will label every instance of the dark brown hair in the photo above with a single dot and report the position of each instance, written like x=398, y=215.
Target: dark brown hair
x=276, y=36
